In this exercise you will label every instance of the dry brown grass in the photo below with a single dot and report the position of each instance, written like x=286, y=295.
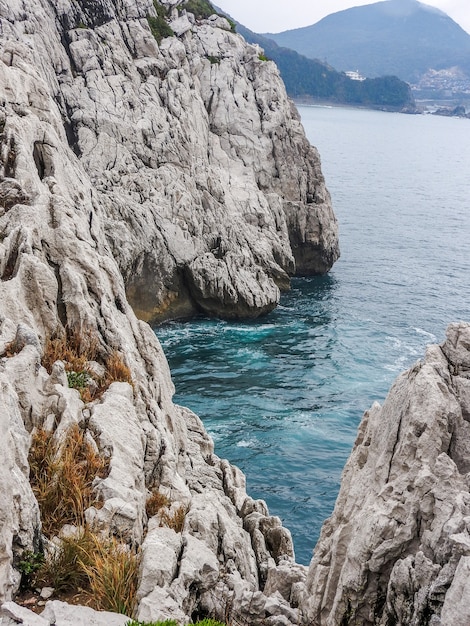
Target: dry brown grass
x=62, y=475
x=76, y=349
x=117, y=370
x=73, y=347
x=103, y=571
x=113, y=575
x=10, y=349
x=155, y=502
x=175, y=520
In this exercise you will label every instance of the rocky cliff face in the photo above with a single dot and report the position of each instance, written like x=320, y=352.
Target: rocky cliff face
x=174, y=177
x=397, y=548
x=209, y=194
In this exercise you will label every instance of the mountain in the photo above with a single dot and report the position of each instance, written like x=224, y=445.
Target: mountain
x=310, y=78
x=405, y=38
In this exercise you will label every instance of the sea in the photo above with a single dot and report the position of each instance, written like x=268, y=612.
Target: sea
x=282, y=396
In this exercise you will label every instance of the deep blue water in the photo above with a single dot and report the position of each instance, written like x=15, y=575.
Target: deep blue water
x=283, y=396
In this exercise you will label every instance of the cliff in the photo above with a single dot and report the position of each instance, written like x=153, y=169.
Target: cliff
x=140, y=179
x=209, y=195
x=160, y=178
x=397, y=548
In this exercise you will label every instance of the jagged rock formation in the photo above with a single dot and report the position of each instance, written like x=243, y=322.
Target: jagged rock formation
x=397, y=548
x=132, y=171
x=196, y=161
x=176, y=176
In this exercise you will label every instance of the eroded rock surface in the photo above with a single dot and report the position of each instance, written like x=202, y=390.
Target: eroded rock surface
x=195, y=160
x=124, y=177
x=396, y=549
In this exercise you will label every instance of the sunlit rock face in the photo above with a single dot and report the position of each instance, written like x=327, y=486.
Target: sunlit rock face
x=125, y=180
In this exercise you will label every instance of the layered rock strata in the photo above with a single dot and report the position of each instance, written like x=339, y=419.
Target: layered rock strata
x=397, y=548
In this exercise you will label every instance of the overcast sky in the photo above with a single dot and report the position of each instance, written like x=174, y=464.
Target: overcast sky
x=274, y=16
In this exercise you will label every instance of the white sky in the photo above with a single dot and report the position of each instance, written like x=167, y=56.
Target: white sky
x=263, y=16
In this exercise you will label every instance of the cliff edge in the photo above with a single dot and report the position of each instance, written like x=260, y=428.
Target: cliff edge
x=140, y=179
x=396, y=549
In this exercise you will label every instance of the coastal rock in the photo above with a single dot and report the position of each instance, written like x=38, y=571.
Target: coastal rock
x=196, y=156
x=396, y=548
x=20, y=526
x=123, y=180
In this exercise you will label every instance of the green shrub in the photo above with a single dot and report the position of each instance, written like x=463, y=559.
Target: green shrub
x=171, y=622
x=213, y=60
x=262, y=57
x=78, y=380
x=202, y=9
x=168, y=622
x=159, y=28
x=30, y=563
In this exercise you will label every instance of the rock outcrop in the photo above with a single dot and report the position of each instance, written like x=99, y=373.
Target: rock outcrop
x=397, y=548
x=195, y=160
x=174, y=176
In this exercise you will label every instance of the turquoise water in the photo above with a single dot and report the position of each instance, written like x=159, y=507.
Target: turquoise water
x=282, y=397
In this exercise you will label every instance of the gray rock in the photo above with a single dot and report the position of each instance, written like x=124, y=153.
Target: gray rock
x=456, y=609
x=12, y=613
x=400, y=529
x=46, y=592
x=63, y=614
x=19, y=514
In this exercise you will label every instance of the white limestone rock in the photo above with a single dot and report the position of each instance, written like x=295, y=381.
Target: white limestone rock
x=19, y=515
x=400, y=529
x=190, y=145
x=59, y=613
x=161, y=551
x=11, y=614
x=117, y=429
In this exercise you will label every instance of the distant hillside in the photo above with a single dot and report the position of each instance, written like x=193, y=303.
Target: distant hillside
x=305, y=77
x=401, y=37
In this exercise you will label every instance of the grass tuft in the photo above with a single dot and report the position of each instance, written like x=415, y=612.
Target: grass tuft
x=175, y=520
x=155, y=502
x=64, y=568
x=113, y=575
x=116, y=370
x=61, y=476
x=77, y=349
x=74, y=347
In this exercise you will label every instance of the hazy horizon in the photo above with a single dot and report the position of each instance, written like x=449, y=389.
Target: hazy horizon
x=284, y=15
